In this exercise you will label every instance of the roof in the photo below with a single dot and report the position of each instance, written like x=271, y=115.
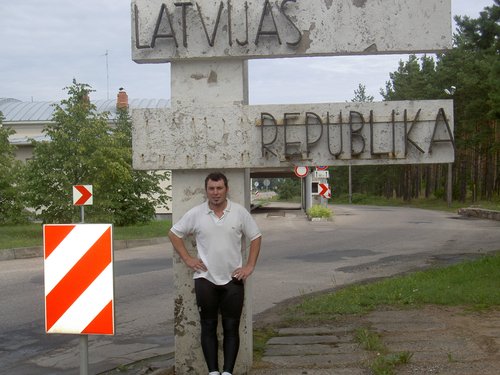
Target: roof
x=14, y=110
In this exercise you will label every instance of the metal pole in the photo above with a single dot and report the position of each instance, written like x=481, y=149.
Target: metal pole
x=84, y=355
x=449, y=185
x=350, y=185
x=308, y=192
x=84, y=340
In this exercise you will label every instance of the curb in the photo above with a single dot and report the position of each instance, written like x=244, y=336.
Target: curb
x=37, y=251
x=480, y=213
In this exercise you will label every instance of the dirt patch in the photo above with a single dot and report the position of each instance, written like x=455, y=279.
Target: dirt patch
x=441, y=340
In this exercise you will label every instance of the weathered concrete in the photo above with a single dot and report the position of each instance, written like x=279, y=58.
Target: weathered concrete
x=233, y=135
x=228, y=82
x=210, y=124
x=187, y=192
x=212, y=28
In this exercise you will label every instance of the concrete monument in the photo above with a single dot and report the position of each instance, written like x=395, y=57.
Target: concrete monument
x=211, y=126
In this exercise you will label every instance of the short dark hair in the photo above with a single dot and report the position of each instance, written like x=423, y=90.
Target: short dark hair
x=216, y=176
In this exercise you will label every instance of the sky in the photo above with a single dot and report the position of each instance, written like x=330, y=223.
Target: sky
x=44, y=45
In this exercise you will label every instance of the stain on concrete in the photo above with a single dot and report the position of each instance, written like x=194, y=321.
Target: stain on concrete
x=305, y=42
x=179, y=316
x=371, y=48
x=197, y=76
x=359, y=3
x=212, y=77
x=334, y=255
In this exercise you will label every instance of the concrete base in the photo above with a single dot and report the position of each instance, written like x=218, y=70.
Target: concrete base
x=188, y=191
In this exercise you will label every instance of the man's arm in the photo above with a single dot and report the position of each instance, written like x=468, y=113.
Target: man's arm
x=178, y=243
x=244, y=272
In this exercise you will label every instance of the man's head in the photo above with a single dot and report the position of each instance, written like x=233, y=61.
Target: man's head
x=216, y=176
x=216, y=189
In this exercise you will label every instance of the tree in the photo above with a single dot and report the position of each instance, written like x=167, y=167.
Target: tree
x=473, y=67
x=136, y=201
x=289, y=188
x=360, y=95
x=85, y=149
x=470, y=75
x=11, y=208
x=415, y=79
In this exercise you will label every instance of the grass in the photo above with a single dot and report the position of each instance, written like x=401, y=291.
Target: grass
x=369, y=340
x=28, y=235
x=384, y=362
x=318, y=211
x=473, y=284
x=423, y=203
x=260, y=339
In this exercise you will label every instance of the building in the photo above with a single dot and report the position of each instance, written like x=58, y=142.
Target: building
x=28, y=119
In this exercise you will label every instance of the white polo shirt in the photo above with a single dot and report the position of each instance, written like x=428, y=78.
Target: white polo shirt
x=218, y=240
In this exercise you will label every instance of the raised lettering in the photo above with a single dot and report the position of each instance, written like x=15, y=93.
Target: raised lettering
x=372, y=140
x=268, y=10
x=283, y=11
x=315, y=119
x=355, y=134
x=266, y=117
x=214, y=32
x=341, y=138
x=245, y=42
x=291, y=148
x=407, y=134
x=229, y=23
x=157, y=34
x=184, y=23
x=136, y=27
x=441, y=117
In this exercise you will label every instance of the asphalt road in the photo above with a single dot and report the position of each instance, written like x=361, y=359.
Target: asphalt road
x=297, y=257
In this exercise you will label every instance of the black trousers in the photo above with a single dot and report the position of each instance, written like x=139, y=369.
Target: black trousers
x=228, y=300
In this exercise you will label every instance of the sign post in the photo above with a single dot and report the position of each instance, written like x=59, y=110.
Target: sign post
x=82, y=196
x=78, y=278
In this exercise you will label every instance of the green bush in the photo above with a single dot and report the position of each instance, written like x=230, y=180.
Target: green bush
x=319, y=211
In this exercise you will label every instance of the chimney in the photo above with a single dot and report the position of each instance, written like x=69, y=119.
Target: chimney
x=122, y=99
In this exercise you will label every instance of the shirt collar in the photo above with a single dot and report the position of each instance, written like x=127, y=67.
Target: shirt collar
x=208, y=210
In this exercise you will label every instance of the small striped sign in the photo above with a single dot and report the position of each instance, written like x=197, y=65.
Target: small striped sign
x=78, y=272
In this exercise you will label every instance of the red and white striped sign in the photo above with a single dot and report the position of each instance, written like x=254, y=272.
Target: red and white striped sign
x=82, y=195
x=325, y=191
x=78, y=270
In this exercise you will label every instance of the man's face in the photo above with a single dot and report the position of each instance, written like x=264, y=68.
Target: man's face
x=216, y=192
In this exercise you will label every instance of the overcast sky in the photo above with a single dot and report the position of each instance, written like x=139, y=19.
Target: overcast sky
x=45, y=44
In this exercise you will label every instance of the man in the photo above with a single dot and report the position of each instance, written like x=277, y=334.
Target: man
x=218, y=226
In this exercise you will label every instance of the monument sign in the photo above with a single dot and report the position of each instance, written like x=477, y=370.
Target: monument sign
x=211, y=126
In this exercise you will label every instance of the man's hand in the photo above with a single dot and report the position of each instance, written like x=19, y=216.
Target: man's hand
x=243, y=273
x=195, y=264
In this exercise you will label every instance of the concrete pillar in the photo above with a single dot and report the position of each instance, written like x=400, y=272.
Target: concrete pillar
x=195, y=85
